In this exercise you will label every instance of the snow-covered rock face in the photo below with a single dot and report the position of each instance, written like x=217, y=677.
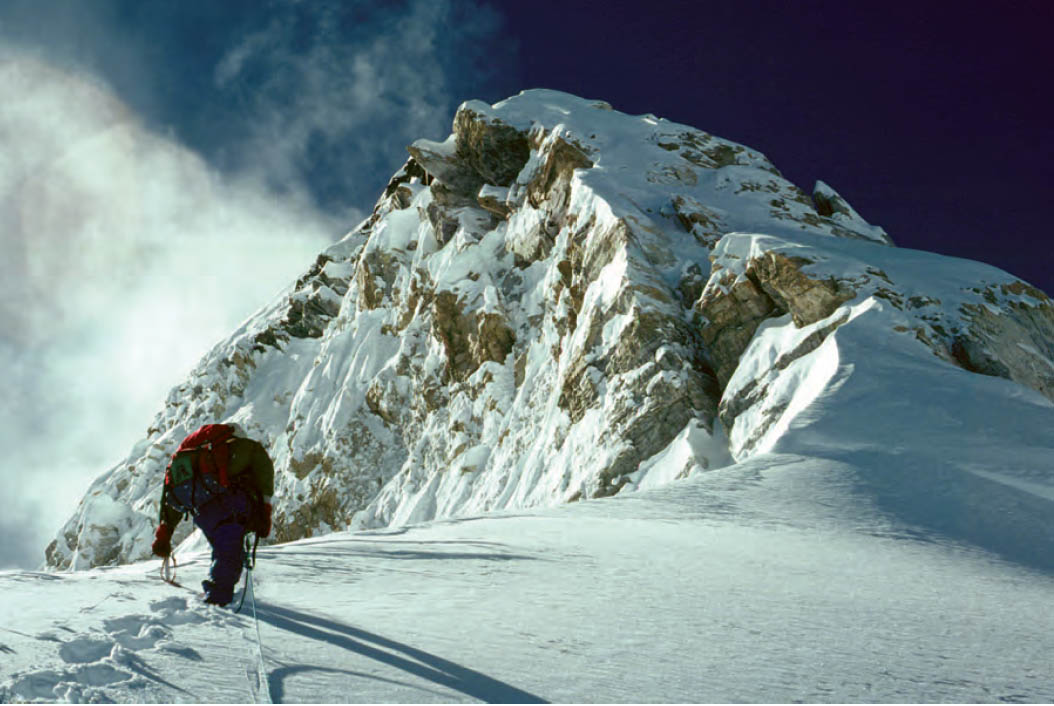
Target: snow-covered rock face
x=559, y=301
x=772, y=301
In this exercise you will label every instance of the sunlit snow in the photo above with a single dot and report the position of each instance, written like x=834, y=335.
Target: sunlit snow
x=874, y=526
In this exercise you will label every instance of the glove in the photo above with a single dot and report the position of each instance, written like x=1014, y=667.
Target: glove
x=263, y=521
x=162, y=545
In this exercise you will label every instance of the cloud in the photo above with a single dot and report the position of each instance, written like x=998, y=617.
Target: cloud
x=134, y=239
x=125, y=256
x=337, y=93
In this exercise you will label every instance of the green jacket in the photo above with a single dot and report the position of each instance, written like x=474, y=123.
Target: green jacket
x=249, y=467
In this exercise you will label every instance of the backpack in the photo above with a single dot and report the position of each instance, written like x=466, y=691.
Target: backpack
x=197, y=473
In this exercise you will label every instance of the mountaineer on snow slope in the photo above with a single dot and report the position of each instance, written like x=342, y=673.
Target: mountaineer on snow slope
x=225, y=481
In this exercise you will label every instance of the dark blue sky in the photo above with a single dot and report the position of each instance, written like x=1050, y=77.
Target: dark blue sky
x=931, y=118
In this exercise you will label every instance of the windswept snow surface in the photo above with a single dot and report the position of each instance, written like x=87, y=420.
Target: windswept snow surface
x=779, y=579
x=892, y=543
x=889, y=541
x=866, y=521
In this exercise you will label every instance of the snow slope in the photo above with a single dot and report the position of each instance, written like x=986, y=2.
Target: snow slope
x=780, y=579
x=827, y=460
x=906, y=559
x=909, y=559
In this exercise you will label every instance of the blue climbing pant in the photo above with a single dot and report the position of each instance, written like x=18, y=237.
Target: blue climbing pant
x=223, y=521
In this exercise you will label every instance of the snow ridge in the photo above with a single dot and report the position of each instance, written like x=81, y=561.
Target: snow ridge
x=819, y=465
x=560, y=302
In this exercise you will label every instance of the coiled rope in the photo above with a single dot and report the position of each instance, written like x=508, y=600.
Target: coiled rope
x=168, y=570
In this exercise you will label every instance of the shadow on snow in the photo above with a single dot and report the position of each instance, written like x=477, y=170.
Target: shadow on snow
x=394, y=654
x=940, y=502
x=276, y=679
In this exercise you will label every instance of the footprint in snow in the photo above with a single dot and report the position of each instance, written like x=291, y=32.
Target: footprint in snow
x=136, y=632
x=179, y=650
x=175, y=608
x=180, y=611
x=81, y=650
x=79, y=684
x=94, y=661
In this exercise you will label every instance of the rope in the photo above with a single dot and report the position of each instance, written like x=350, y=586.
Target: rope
x=259, y=644
x=245, y=589
x=249, y=563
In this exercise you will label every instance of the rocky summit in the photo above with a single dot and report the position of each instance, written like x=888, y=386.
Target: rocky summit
x=547, y=303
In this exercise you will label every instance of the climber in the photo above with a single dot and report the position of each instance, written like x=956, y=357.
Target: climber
x=226, y=482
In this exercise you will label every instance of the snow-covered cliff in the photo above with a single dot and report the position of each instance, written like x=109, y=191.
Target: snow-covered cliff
x=561, y=301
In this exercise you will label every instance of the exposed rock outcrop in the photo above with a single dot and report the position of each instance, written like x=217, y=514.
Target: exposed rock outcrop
x=495, y=150
x=1010, y=335
x=1003, y=329
x=538, y=306
x=773, y=284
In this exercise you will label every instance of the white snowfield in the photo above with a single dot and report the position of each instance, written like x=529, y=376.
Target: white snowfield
x=864, y=520
x=785, y=578
x=892, y=547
